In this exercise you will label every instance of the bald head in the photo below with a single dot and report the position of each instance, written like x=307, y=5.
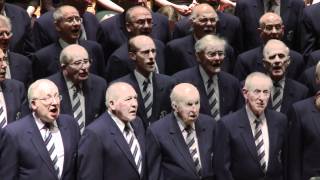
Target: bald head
x=117, y=90
x=71, y=52
x=200, y=9
x=185, y=101
x=273, y=45
x=271, y=27
x=137, y=42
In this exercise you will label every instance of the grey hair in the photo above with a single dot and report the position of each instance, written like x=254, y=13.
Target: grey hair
x=129, y=13
x=272, y=42
x=58, y=13
x=207, y=40
x=66, y=54
x=34, y=88
x=248, y=82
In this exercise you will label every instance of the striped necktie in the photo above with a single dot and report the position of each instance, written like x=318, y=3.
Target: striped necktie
x=3, y=119
x=147, y=99
x=134, y=146
x=76, y=109
x=49, y=143
x=213, y=102
x=191, y=143
x=260, y=144
x=276, y=98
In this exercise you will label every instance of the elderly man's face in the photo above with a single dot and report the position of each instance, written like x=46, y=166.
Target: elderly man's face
x=3, y=66
x=69, y=26
x=145, y=56
x=125, y=104
x=205, y=23
x=212, y=58
x=77, y=69
x=188, y=106
x=257, y=95
x=141, y=22
x=46, y=103
x=272, y=29
x=5, y=35
x=276, y=61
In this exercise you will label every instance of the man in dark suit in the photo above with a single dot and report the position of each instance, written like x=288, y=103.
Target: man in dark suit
x=303, y=159
x=21, y=41
x=285, y=91
x=250, y=11
x=139, y=22
x=227, y=25
x=180, y=53
x=113, y=32
x=145, y=80
x=250, y=142
x=226, y=89
x=19, y=67
x=82, y=92
x=44, y=31
x=13, y=102
x=271, y=27
x=180, y=145
x=310, y=40
x=43, y=145
x=313, y=58
x=117, y=136
x=68, y=25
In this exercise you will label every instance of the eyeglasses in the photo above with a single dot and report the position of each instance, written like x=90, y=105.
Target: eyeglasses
x=49, y=99
x=147, y=52
x=73, y=19
x=5, y=33
x=211, y=54
x=81, y=63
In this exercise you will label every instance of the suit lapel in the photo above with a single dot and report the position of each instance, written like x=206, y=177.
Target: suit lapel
x=63, y=90
x=315, y=117
x=66, y=139
x=157, y=93
x=8, y=98
x=141, y=109
x=288, y=95
x=140, y=138
x=180, y=144
x=198, y=81
x=121, y=142
x=38, y=143
x=201, y=135
x=247, y=135
x=87, y=92
x=273, y=134
x=189, y=47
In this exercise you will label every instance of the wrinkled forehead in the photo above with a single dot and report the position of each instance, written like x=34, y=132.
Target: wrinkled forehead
x=272, y=20
x=276, y=50
x=69, y=12
x=213, y=47
x=260, y=84
x=206, y=14
x=140, y=14
x=79, y=54
x=145, y=45
x=46, y=89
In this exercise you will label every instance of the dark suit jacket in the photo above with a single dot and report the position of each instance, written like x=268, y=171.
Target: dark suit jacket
x=293, y=92
x=21, y=41
x=236, y=156
x=310, y=40
x=94, y=89
x=251, y=61
x=20, y=68
x=46, y=61
x=250, y=11
x=308, y=78
x=226, y=28
x=180, y=54
x=229, y=90
x=102, y=143
x=15, y=98
x=304, y=140
x=313, y=58
x=28, y=157
x=44, y=30
x=168, y=155
x=112, y=32
x=119, y=63
x=161, y=105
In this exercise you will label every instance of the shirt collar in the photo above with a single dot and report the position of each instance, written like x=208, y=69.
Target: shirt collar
x=119, y=123
x=252, y=117
x=140, y=78
x=205, y=76
x=64, y=44
x=281, y=82
x=181, y=124
x=40, y=123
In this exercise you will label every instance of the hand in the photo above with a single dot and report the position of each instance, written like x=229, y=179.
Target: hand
x=183, y=9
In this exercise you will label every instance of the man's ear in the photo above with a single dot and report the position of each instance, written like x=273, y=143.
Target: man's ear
x=265, y=63
x=245, y=93
x=128, y=27
x=174, y=106
x=111, y=104
x=132, y=56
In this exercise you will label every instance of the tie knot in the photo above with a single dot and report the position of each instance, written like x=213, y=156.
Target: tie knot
x=210, y=81
x=48, y=126
x=257, y=122
x=188, y=129
x=145, y=84
x=127, y=128
x=277, y=84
